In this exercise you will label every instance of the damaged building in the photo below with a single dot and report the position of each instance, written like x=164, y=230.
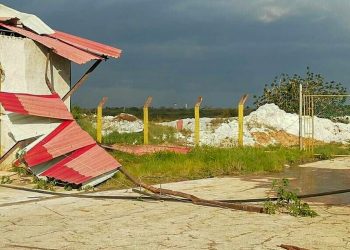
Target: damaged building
x=37, y=128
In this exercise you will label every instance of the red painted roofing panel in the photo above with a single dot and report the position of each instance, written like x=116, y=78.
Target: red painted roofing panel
x=63, y=49
x=87, y=45
x=83, y=165
x=64, y=139
x=50, y=106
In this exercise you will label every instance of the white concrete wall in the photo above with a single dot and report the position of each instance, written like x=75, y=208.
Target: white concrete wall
x=24, y=63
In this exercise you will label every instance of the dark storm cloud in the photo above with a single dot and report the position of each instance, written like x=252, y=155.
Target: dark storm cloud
x=177, y=50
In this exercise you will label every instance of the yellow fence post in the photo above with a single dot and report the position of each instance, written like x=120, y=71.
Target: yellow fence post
x=99, y=119
x=196, y=120
x=145, y=119
x=240, y=118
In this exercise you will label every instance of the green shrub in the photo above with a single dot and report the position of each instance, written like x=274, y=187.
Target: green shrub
x=287, y=201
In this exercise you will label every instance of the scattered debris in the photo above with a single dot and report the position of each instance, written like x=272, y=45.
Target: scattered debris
x=125, y=117
x=267, y=125
x=122, y=123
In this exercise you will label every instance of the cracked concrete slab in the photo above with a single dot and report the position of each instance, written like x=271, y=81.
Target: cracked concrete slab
x=71, y=223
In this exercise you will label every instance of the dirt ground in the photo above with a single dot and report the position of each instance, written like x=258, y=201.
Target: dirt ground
x=34, y=221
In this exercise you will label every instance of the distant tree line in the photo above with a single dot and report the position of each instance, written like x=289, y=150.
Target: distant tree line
x=163, y=113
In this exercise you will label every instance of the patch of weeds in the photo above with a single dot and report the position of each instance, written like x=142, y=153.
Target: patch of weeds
x=20, y=171
x=43, y=184
x=328, y=151
x=5, y=180
x=68, y=187
x=123, y=138
x=270, y=207
x=160, y=134
x=186, y=132
x=287, y=201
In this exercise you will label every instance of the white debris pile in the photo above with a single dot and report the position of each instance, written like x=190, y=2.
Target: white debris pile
x=213, y=131
x=122, y=123
x=265, y=122
x=270, y=116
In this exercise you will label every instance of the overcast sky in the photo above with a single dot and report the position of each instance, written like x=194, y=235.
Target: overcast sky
x=220, y=49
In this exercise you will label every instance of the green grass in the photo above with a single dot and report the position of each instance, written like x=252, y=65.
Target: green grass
x=205, y=162
x=125, y=138
x=157, y=135
x=86, y=125
x=202, y=162
x=327, y=151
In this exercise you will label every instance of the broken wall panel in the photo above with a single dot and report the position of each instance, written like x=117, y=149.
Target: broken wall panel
x=22, y=127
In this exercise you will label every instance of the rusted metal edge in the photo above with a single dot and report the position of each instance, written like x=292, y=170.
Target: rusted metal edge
x=148, y=102
x=243, y=99
x=290, y=247
x=103, y=101
x=199, y=101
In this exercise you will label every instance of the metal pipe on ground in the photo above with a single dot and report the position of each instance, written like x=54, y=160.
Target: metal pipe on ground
x=194, y=199
x=153, y=197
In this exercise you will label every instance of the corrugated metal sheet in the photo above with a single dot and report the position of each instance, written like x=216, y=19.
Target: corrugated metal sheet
x=87, y=45
x=50, y=106
x=64, y=139
x=83, y=165
x=65, y=50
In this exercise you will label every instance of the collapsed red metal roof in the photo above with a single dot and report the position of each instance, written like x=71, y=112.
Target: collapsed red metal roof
x=83, y=160
x=67, y=51
x=50, y=106
x=87, y=45
x=64, y=139
x=83, y=165
x=76, y=49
